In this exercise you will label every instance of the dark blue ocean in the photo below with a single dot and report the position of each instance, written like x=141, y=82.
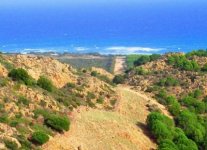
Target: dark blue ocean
x=116, y=27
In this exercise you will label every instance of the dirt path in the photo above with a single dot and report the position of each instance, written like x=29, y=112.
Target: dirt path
x=121, y=129
x=120, y=65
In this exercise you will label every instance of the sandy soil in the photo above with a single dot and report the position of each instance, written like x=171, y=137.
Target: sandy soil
x=120, y=65
x=121, y=129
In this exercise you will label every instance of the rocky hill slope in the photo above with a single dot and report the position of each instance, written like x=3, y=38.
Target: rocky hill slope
x=37, y=96
x=178, y=81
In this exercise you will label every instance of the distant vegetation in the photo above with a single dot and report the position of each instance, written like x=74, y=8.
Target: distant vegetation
x=130, y=59
x=137, y=60
x=105, y=62
x=180, y=61
x=187, y=130
x=200, y=53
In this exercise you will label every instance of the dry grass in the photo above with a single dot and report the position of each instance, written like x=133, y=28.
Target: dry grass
x=121, y=129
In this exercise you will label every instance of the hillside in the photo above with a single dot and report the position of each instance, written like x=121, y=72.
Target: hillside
x=38, y=95
x=124, y=128
x=178, y=81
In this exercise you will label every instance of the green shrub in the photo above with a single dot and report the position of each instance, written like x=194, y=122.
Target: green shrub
x=174, y=108
x=160, y=126
x=4, y=118
x=90, y=96
x=180, y=61
x=39, y=137
x=140, y=71
x=190, y=124
x=142, y=60
x=71, y=85
x=100, y=100
x=161, y=131
x=204, y=68
x=183, y=143
x=169, y=81
x=154, y=57
x=23, y=100
x=200, y=53
x=118, y=79
x=45, y=83
x=4, y=82
x=43, y=112
x=42, y=128
x=94, y=73
x=196, y=94
x=167, y=145
x=25, y=144
x=59, y=123
x=10, y=144
x=21, y=75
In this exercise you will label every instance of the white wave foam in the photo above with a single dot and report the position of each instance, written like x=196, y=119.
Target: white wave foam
x=81, y=49
x=132, y=49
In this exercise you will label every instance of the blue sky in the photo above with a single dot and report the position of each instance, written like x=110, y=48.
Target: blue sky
x=91, y=2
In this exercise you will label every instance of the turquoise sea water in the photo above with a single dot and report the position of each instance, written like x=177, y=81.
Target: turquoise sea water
x=108, y=27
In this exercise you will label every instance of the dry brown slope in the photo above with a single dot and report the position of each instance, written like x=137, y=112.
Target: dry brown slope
x=108, y=130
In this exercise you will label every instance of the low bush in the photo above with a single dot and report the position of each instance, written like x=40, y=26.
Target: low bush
x=140, y=71
x=100, y=100
x=169, y=81
x=21, y=75
x=59, y=123
x=94, y=73
x=71, y=85
x=142, y=60
x=180, y=61
x=10, y=144
x=39, y=138
x=23, y=100
x=25, y=143
x=167, y=145
x=45, y=83
x=118, y=79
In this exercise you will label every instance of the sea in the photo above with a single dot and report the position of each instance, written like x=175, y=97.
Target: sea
x=119, y=27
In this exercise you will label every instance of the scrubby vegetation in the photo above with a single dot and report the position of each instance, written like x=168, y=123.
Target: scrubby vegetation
x=21, y=75
x=167, y=134
x=39, y=137
x=45, y=83
x=169, y=81
x=180, y=61
x=58, y=123
x=200, y=53
x=118, y=79
x=101, y=77
x=146, y=58
x=178, y=82
x=137, y=60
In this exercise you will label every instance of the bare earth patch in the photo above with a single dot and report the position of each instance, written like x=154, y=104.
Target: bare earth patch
x=121, y=129
x=120, y=65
